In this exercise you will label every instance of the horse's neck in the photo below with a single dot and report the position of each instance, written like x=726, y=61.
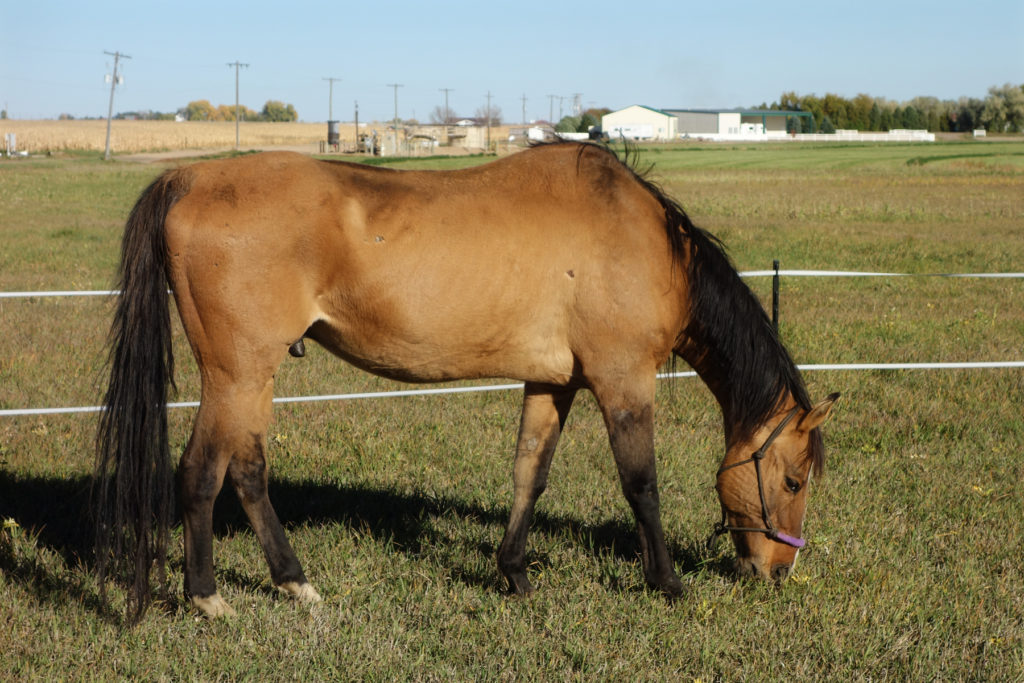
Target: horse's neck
x=710, y=367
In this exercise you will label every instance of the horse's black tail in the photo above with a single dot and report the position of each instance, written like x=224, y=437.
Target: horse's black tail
x=133, y=484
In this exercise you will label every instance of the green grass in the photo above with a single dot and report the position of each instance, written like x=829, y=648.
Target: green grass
x=396, y=507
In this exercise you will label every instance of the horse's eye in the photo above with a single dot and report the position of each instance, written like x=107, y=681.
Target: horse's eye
x=792, y=484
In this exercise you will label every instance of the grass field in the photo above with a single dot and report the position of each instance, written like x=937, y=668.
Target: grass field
x=396, y=507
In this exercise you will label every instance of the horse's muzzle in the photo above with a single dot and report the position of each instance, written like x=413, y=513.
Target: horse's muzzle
x=747, y=568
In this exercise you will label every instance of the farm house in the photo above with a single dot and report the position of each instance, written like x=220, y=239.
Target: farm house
x=640, y=123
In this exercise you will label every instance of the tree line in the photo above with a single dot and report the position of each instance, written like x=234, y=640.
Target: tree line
x=1002, y=111
x=273, y=110
x=202, y=110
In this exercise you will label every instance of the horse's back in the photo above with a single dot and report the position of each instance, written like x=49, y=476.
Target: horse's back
x=511, y=268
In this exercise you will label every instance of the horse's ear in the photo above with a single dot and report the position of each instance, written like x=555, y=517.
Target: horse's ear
x=819, y=413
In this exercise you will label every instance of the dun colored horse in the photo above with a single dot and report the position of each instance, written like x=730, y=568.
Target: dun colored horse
x=560, y=266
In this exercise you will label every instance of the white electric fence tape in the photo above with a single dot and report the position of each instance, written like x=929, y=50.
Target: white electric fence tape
x=508, y=387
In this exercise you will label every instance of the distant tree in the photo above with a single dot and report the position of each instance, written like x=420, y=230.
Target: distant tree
x=912, y=118
x=968, y=114
x=275, y=110
x=860, y=112
x=483, y=115
x=568, y=124
x=598, y=112
x=439, y=117
x=932, y=113
x=812, y=104
x=1004, y=109
x=200, y=110
x=789, y=101
x=827, y=126
x=885, y=121
x=3, y=113
x=836, y=108
x=875, y=117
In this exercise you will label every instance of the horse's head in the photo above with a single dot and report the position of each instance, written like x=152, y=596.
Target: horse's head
x=762, y=486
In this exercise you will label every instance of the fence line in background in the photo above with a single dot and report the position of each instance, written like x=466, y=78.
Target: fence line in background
x=510, y=387
x=855, y=273
x=746, y=273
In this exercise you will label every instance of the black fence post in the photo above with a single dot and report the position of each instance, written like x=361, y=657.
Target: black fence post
x=775, y=295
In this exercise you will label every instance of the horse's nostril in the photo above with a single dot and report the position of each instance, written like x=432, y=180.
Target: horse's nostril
x=780, y=572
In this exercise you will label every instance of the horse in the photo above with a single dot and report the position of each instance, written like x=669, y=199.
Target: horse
x=562, y=266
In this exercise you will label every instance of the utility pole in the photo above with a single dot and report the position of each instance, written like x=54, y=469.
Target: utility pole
x=330, y=97
x=447, y=114
x=113, y=84
x=523, y=98
x=551, y=110
x=396, y=86
x=488, y=121
x=237, y=65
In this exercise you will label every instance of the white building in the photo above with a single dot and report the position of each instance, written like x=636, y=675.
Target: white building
x=734, y=125
x=640, y=123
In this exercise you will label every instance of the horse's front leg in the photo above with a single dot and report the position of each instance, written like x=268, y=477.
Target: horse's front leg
x=629, y=417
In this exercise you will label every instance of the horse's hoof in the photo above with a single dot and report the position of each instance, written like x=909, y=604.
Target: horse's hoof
x=673, y=590
x=213, y=606
x=519, y=586
x=301, y=591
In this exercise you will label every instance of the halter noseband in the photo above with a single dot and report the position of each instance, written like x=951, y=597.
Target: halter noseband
x=769, y=529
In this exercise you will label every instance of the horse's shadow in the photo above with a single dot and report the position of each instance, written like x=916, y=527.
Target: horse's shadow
x=54, y=514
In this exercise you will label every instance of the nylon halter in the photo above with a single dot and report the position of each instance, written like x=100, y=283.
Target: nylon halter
x=768, y=529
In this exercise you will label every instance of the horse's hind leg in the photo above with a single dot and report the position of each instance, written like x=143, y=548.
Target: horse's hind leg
x=229, y=438
x=544, y=413
x=629, y=416
x=249, y=476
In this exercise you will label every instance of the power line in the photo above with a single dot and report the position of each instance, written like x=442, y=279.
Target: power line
x=113, y=84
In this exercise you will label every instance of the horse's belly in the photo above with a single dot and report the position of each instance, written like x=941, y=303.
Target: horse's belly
x=413, y=355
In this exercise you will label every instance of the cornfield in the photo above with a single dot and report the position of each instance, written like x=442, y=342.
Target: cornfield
x=153, y=136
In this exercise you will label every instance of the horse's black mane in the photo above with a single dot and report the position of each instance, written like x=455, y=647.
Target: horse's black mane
x=737, y=341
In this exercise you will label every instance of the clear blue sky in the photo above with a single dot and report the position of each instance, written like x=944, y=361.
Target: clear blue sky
x=661, y=54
